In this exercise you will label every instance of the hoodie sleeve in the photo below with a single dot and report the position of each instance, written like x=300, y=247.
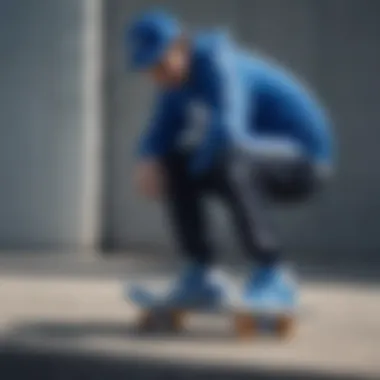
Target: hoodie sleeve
x=160, y=135
x=228, y=101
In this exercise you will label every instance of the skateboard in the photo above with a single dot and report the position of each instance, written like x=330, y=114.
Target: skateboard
x=247, y=323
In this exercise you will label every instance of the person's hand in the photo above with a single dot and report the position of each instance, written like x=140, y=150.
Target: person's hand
x=149, y=178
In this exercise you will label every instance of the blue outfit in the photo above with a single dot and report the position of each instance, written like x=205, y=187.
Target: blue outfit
x=251, y=104
x=256, y=112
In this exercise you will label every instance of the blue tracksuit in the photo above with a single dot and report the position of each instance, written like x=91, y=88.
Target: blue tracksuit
x=249, y=102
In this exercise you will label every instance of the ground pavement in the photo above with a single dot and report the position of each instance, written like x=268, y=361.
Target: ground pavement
x=62, y=316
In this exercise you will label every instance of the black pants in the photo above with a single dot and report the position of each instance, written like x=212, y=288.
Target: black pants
x=244, y=185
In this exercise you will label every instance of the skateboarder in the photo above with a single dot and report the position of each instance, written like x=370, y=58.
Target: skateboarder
x=259, y=136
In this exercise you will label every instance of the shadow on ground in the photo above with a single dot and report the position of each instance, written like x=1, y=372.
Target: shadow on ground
x=21, y=361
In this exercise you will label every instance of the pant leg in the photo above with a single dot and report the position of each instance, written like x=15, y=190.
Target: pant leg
x=185, y=209
x=233, y=180
x=291, y=181
x=285, y=173
x=247, y=182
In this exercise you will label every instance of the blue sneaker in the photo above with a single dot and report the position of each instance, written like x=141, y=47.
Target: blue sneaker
x=196, y=288
x=270, y=288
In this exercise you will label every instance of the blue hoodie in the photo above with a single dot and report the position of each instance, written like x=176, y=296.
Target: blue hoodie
x=246, y=97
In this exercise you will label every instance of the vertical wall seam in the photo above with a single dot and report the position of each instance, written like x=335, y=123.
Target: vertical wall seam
x=92, y=69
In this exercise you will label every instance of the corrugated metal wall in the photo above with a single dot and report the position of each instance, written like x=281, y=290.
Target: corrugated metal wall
x=41, y=113
x=335, y=46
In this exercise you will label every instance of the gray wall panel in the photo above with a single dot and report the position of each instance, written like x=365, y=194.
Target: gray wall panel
x=41, y=115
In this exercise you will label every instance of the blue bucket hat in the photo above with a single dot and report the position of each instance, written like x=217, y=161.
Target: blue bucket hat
x=149, y=36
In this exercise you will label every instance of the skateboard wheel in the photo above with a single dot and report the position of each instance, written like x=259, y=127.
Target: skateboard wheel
x=176, y=320
x=146, y=321
x=284, y=326
x=245, y=326
x=151, y=321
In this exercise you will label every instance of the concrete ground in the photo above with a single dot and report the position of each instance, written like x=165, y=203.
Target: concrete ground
x=63, y=317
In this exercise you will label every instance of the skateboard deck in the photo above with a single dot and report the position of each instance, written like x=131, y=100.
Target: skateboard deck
x=247, y=322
